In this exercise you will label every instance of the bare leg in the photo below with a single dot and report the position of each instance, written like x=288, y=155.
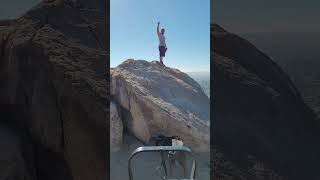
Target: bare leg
x=161, y=59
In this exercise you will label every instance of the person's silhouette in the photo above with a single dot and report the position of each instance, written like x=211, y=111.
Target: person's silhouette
x=162, y=43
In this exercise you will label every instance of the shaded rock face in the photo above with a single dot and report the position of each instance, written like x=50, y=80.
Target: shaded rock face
x=224, y=169
x=116, y=127
x=53, y=62
x=258, y=111
x=12, y=163
x=160, y=99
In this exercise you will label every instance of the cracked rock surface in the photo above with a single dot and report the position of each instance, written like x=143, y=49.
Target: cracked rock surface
x=162, y=100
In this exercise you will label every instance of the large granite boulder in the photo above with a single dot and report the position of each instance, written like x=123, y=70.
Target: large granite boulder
x=160, y=99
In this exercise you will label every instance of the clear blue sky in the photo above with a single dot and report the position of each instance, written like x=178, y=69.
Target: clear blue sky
x=187, y=23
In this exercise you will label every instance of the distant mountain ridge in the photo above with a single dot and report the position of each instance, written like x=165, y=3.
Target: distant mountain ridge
x=203, y=78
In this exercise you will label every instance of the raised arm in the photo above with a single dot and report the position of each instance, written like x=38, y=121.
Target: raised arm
x=158, y=31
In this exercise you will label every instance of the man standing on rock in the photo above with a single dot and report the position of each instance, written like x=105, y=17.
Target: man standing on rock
x=162, y=43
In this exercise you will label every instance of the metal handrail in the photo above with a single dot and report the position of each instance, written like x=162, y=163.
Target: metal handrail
x=161, y=149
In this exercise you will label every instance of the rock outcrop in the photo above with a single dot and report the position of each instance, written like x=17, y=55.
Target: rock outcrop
x=53, y=64
x=259, y=112
x=159, y=99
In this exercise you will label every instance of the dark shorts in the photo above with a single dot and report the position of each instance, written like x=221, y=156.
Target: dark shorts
x=162, y=51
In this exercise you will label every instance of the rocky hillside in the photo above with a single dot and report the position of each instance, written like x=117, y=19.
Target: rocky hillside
x=152, y=99
x=54, y=92
x=258, y=111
